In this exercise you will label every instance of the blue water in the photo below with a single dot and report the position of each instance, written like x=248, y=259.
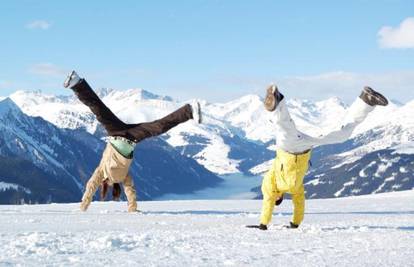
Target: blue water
x=234, y=186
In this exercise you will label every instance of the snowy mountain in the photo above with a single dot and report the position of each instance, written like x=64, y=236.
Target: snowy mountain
x=378, y=159
x=42, y=163
x=374, y=230
x=215, y=144
x=237, y=136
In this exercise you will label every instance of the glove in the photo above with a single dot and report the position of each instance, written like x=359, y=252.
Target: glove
x=261, y=226
x=83, y=206
x=132, y=209
x=292, y=226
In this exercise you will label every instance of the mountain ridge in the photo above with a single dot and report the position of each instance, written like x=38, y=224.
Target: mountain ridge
x=237, y=136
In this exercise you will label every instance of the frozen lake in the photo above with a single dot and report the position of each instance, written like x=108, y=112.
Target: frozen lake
x=235, y=186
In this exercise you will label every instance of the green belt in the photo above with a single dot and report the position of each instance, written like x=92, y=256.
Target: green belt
x=122, y=145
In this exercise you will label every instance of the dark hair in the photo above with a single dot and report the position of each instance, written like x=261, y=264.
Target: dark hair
x=116, y=191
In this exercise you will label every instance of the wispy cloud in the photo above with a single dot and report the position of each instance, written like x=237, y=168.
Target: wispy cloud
x=347, y=85
x=38, y=24
x=401, y=36
x=47, y=69
x=4, y=84
x=398, y=85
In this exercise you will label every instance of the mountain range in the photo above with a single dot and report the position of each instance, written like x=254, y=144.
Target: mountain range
x=237, y=136
x=42, y=163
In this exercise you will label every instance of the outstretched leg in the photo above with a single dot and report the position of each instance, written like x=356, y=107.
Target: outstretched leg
x=149, y=129
x=87, y=96
x=357, y=113
x=290, y=139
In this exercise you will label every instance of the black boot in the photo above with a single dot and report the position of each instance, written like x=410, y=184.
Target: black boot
x=372, y=97
x=273, y=98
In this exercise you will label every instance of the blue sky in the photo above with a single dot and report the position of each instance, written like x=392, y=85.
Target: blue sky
x=215, y=50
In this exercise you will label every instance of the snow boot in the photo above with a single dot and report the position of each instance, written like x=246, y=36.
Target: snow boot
x=273, y=98
x=196, y=110
x=72, y=80
x=372, y=97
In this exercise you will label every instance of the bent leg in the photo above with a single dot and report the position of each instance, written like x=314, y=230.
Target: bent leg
x=149, y=129
x=357, y=113
x=103, y=114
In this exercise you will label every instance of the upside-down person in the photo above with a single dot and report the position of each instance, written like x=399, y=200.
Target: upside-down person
x=293, y=151
x=118, y=154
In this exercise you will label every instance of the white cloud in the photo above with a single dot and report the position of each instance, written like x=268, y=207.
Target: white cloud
x=399, y=37
x=47, y=69
x=347, y=85
x=397, y=85
x=38, y=24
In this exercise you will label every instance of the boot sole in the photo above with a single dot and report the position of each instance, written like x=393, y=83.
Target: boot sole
x=379, y=98
x=200, y=119
x=66, y=83
x=270, y=100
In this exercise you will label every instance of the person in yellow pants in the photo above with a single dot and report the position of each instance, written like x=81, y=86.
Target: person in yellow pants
x=293, y=151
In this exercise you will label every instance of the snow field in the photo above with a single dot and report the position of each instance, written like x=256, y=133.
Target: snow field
x=358, y=231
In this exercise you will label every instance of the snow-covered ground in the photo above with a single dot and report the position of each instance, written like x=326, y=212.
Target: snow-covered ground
x=375, y=230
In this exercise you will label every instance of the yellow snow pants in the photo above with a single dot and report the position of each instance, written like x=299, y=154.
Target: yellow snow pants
x=285, y=176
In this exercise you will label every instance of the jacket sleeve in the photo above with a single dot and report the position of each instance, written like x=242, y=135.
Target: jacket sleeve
x=91, y=187
x=270, y=195
x=130, y=193
x=298, y=200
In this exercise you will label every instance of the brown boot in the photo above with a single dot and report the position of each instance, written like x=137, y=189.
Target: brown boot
x=273, y=98
x=372, y=97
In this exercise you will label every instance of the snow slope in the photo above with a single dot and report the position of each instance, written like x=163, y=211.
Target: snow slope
x=373, y=230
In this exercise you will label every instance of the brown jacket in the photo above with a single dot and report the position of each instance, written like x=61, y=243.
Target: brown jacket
x=113, y=167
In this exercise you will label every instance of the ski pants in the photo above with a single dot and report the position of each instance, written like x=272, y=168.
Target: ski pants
x=134, y=132
x=293, y=154
x=285, y=176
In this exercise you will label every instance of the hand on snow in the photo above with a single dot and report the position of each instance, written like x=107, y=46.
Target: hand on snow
x=261, y=226
x=291, y=226
x=133, y=210
x=83, y=207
